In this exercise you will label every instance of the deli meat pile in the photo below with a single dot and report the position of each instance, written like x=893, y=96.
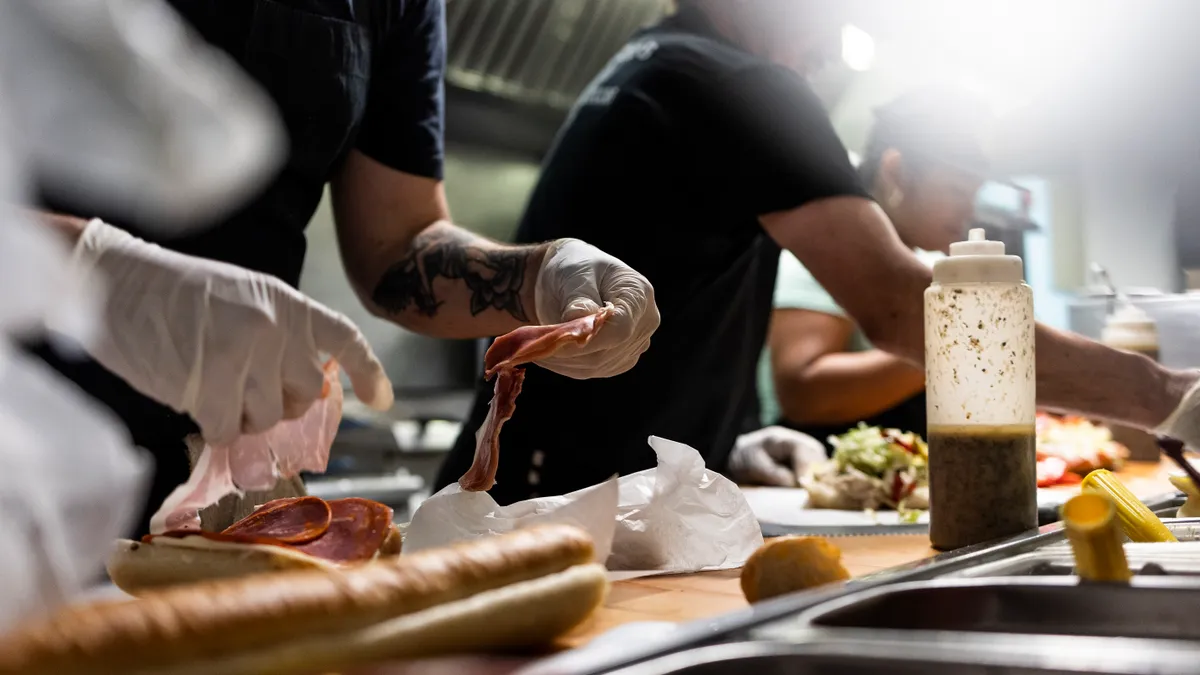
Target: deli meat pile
x=503, y=362
x=256, y=461
x=340, y=531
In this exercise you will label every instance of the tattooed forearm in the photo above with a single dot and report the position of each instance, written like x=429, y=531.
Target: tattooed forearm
x=494, y=276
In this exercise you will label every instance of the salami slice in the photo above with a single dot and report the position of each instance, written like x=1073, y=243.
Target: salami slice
x=294, y=520
x=356, y=531
x=347, y=531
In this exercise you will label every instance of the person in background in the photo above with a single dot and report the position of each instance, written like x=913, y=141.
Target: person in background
x=696, y=155
x=359, y=87
x=923, y=165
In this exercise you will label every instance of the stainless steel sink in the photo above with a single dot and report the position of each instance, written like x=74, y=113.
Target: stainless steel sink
x=1147, y=608
x=959, y=657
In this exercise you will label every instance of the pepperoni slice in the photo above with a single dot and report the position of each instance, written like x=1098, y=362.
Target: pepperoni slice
x=293, y=520
x=350, y=530
x=356, y=531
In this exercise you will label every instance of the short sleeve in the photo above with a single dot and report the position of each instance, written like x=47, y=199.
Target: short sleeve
x=780, y=146
x=404, y=119
x=796, y=288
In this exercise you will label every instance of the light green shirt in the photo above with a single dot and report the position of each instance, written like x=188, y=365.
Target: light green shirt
x=796, y=288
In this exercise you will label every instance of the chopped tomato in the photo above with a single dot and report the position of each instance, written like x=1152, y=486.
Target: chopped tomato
x=1050, y=471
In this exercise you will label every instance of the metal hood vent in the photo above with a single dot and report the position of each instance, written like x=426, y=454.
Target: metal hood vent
x=540, y=52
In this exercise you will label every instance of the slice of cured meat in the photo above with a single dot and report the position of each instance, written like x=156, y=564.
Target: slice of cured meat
x=354, y=531
x=502, y=361
x=292, y=521
x=533, y=343
x=256, y=461
x=482, y=474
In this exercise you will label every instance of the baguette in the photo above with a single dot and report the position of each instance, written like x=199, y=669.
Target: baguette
x=517, y=589
x=137, y=567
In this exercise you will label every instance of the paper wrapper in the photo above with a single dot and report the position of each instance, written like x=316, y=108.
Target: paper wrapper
x=677, y=517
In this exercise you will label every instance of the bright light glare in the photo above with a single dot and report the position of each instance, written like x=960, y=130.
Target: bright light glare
x=858, y=48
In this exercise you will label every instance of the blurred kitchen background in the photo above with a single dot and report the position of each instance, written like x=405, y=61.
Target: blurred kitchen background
x=1099, y=136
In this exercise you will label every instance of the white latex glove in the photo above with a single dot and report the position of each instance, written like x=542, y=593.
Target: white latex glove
x=577, y=279
x=1184, y=423
x=774, y=456
x=235, y=349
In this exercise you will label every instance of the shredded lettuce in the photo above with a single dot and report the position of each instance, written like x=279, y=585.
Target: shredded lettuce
x=874, y=451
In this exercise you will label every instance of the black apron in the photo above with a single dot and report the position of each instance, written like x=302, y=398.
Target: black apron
x=313, y=60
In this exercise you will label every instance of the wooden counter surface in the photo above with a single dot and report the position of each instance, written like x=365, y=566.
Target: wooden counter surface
x=697, y=596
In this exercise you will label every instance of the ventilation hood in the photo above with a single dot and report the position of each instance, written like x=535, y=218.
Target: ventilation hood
x=538, y=52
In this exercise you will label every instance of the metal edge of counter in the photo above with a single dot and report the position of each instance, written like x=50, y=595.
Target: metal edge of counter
x=708, y=631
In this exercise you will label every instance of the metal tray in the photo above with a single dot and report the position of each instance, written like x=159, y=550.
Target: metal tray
x=1150, y=608
x=996, y=656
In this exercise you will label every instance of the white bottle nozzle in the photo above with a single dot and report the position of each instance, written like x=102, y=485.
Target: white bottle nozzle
x=977, y=243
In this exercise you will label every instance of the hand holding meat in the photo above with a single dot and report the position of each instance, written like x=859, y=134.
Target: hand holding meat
x=775, y=456
x=237, y=350
x=577, y=280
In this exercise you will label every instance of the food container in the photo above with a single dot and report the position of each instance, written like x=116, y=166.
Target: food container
x=980, y=392
x=1130, y=329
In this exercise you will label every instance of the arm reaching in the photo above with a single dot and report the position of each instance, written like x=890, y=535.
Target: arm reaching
x=411, y=265
x=819, y=383
x=850, y=247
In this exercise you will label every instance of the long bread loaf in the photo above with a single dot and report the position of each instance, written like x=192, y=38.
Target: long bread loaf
x=238, y=621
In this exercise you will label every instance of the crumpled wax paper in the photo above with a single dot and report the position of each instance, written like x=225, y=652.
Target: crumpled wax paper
x=677, y=517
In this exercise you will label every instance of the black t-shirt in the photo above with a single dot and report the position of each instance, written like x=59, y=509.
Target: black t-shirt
x=667, y=162
x=344, y=74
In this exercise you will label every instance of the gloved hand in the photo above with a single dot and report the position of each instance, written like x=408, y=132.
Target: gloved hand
x=775, y=456
x=235, y=349
x=1184, y=422
x=577, y=279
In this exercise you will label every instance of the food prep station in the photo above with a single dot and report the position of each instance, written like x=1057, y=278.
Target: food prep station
x=1009, y=607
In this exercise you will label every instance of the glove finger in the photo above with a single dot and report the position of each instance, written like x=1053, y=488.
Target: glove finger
x=752, y=465
x=263, y=406
x=587, y=366
x=337, y=336
x=302, y=385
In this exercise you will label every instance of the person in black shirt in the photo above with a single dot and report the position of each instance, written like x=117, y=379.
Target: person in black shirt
x=694, y=156
x=924, y=162
x=359, y=87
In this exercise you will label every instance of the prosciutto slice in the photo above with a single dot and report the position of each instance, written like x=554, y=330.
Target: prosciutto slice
x=503, y=362
x=343, y=531
x=256, y=461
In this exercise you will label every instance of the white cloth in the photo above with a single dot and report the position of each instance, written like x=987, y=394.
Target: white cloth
x=775, y=456
x=235, y=349
x=577, y=279
x=117, y=102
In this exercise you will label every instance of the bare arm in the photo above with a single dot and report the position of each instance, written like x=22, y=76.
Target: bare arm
x=411, y=265
x=850, y=247
x=819, y=383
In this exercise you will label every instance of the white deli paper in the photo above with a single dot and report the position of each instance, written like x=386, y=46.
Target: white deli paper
x=677, y=517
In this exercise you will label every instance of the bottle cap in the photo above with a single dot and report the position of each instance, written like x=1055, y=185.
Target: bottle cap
x=978, y=260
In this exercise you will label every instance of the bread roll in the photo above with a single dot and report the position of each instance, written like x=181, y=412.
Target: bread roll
x=790, y=564
x=412, y=605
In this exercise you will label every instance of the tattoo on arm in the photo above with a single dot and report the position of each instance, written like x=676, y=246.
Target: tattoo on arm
x=493, y=276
